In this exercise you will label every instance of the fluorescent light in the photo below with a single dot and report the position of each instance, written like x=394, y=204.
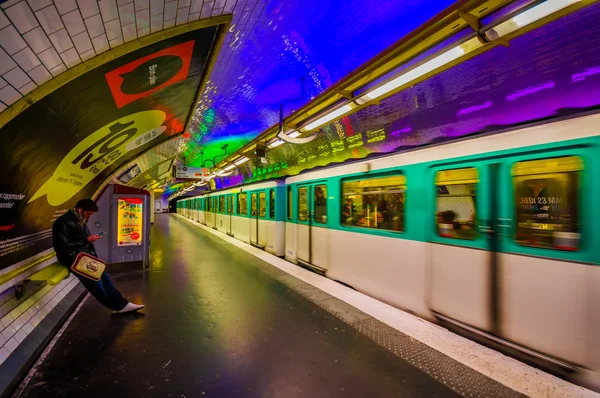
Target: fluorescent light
x=275, y=143
x=241, y=161
x=527, y=17
x=295, y=134
x=329, y=116
x=231, y=166
x=413, y=74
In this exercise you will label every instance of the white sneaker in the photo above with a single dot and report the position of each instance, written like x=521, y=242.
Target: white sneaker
x=130, y=307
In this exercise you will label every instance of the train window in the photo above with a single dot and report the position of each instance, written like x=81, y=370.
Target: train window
x=262, y=204
x=230, y=204
x=289, y=203
x=456, y=203
x=207, y=204
x=242, y=203
x=272, y=204
x=374, y=203
x=221, y=204
x=253, y=204
x=303, y=204
x=546, y=202
x=320, y=215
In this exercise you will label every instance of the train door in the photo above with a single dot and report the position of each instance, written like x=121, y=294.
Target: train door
x=254, y=219
x=312, y=217
x=230, y=214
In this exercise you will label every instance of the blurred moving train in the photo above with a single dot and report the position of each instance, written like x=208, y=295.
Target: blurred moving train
x=496, y=237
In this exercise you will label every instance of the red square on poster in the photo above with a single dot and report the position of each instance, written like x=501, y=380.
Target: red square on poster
x=149, y=74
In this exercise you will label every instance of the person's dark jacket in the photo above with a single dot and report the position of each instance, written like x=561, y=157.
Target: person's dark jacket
x=69, y=238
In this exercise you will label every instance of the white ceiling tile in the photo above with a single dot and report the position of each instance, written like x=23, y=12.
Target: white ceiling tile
x=50, y=58
x=196, y=6
x=2, y=82
x=142, y=4
x=65, y=6
x=82, y=42
x=22, y=17
x=182, y=15
x=6, y=62
x=100, y=44
x=129, y=32
x=170, y=10
x=74, y=23
x=26, y=59
x=94, y=25
x=184, y=3
x=194, y=17
x=142, y=19
x=37, y=40
x=61, y=40
x=156, y=22
x=58, y=70
x=113, y=29
x=2, y=107
x=40, y=75
x=88, y=55
x=9, y=95
x=156, y=7
x=4, y=22
x=109, y=10
x=49, y=19
x=70, y=58
x=29, y=87
x=39, y=4
x=9, y=3
x=143, y=32
x=16, y=78
x=88, y=8
x=127, y=14
x=169, y=24
x=116, y=42
x=123, y=2
x=11, y=40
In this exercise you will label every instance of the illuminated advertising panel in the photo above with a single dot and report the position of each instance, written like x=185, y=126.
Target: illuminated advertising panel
x=130, y=222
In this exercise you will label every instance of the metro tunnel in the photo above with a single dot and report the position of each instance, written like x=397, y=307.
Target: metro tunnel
x=282, y=198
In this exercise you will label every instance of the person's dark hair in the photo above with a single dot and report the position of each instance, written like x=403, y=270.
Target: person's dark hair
x=87, y=205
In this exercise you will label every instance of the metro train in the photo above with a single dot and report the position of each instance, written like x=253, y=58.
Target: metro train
x=496, y=237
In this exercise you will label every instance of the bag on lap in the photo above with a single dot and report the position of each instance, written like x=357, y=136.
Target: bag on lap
x=88, y=266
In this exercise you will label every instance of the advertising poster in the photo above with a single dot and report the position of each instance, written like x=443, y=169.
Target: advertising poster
x=130, y=217
x=62, y=147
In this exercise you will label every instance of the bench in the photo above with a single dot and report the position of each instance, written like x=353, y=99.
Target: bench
x=52, y=274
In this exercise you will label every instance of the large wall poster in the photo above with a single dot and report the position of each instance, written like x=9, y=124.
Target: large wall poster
x=62, y=147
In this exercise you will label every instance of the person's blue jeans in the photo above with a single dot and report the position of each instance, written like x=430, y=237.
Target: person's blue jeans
x=105, y=292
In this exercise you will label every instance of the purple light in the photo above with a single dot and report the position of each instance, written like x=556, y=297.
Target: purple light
x=530, y=90
x=474, y=108
x=398, y=132
x=577, y=77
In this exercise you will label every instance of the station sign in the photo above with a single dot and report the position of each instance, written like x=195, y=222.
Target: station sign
x=181, y=172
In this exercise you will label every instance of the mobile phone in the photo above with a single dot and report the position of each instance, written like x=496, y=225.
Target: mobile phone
x=101, y=233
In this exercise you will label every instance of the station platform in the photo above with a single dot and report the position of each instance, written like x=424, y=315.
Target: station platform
x=222, y=322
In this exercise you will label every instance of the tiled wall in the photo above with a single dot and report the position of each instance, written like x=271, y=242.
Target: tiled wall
x=18, y=318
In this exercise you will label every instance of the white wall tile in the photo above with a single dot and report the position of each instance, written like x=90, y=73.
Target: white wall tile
x=127, y=14
x=22, y=17
x=20, y=336
x=156, y=7
x=156, y=22
x=217, y=12
x=88, y=8
x=9, y=3
x=11, y=40
x=94, y=25
x=82, y=42
x=109, y=10
x=142, y=4
x=2, y=107
x=50, y=58
x=26, y=89
x=61, y=40
x=184, y=3
x=194, y=17
x=123, y=2
x=4, y=354
x=169, y=24
x=74, y=23
x=9, y=95
x=17, y=78
x=113, y=29
x=6, y=62
x=39, y=4
x=182, y=15
x=129, y=32
x=196, y=6
x=37, y=40
x=16, y=311
x=11, y=345
x=206, y=10
x=49, y=19
x=26, y=59
x=2, y=339
x=116, y=42
x=170, y=10
x=143, y=32
x=6, y=321
x=142, y=19
x=88, y=55
x=4, y=22
x=65, y=6
x=100, y=44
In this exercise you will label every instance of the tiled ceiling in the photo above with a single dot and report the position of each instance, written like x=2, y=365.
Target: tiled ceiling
x=40, y=39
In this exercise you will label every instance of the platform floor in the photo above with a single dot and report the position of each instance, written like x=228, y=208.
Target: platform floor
x=216, y=324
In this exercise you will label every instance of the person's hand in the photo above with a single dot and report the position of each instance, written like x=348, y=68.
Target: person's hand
x=93, y=238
